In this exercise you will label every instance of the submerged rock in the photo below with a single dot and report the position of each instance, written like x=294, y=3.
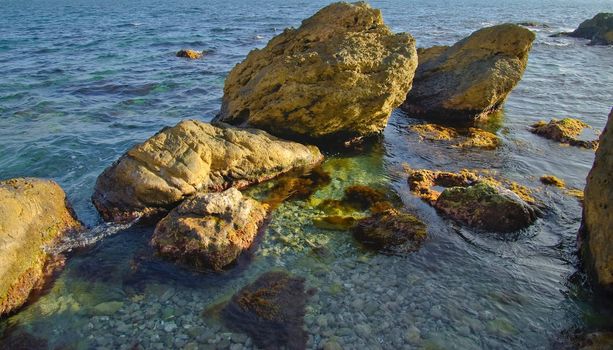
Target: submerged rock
x=301, y=187
x=422, y=182
x=598, y=29
x=487, y=206
x=472, y=78
x=334, y=79
x=468, y=138
x=192, y=157
x=271, y=311
x=209, y=230
x=552, y=180
x=191, y=54
x=596, y=234
x=564, y=131
x=391, y=231
x=34, y=213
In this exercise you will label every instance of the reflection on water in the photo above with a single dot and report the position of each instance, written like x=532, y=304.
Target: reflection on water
x=85, y=81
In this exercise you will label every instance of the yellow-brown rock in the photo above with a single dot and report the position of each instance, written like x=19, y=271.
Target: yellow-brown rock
x=191, y=54
x=597, y=228
x=209, y=230
x=33, y=214
x=334, y=79
x=155, y=176
x=472, y=78
x=565, y=130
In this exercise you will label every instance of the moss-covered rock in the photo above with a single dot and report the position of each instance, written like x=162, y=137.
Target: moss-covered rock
x=422, y=181
x=564, y=131
x=209, y=231
x=34, y=213
x=271, y=311
x=552, y=181
x=335, y=78
x=463, y=137
x=156, y=175
x=472, y=78
x=486, y=206
x=596, y=237
x=434, y=132
x=391, y=231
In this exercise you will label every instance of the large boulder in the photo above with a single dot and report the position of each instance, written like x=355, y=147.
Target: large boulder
x=472, y=78
x=487, y=206
x=34, y=213
x=155, y=176
x=599, y=29
x=209, y=230
x=334, y=79
x=597, y=228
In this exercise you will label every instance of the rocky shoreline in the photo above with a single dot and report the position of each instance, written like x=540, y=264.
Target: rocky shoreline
x=333, y=82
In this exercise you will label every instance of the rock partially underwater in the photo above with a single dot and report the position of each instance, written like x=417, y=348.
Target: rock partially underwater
x=472, y=78
x=476, y=201
x=334, y=79
x=391, y=231
x=209, y=230
x=461, y=137
x=565, y=131
x=596, y=235
x=191, y=54
x=34, y=213
x=176, y=163
x=599, y=29
x=271, y=311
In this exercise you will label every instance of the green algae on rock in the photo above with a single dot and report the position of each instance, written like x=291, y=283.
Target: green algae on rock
x=34, y=213
x=596, y=233
x=391, y=231
x=472, y=78
x=564, y=131
x=176, y=163
x=210, y=230
x=271, y=311
x=552, y=180
x=598, y=29
x=336, y=78
x=487, y=206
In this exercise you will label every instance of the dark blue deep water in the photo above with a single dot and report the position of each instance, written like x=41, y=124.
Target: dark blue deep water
x=81, y=81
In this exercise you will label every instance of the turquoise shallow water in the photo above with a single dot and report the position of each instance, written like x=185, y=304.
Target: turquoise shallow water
x=82, y=81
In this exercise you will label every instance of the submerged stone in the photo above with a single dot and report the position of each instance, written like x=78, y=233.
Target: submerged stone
x=472, y=78
x=338, y=223
x=478, y=138
x=297, y=187
x=271, y=311
x=468, y=138
x=434, y=132
x=564, y=131
x=209, y=231
x=334, y=79
x=391, y=231
x=176, y=163
x=486, y=206
x=34, y=214
x=191, y=54
x=596, y=233
x=552, y=180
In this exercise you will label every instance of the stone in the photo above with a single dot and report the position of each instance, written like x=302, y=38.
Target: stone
x=34, y=214
x=487, y=206
x=271, y=311
x=191, y=54
x=193, y=156
x=209, y=230
x=566, y=131
x=107, y=308
x=391, y=231
x=334, y=79
x=463, y=138
x=596, y=233
x=552, y=181
x=598, y=29
x=472, y=78
x=478, y=138
x=422, y=181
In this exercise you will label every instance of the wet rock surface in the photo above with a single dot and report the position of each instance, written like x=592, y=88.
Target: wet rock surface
x=191, y=54
x=209, y=231
x=391, y=231
x=154, y=176
x=565, y=131
x=462, y=137
x=271, y=311
x=34, y=213
x=334, y=79
x=472, y=78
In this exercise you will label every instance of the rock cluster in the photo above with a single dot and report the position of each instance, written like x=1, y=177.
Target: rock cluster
x=34, y=213
x=156, y=175
x=472, y=78
x=209, y=230
x=336, y=78
x=597, y=227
